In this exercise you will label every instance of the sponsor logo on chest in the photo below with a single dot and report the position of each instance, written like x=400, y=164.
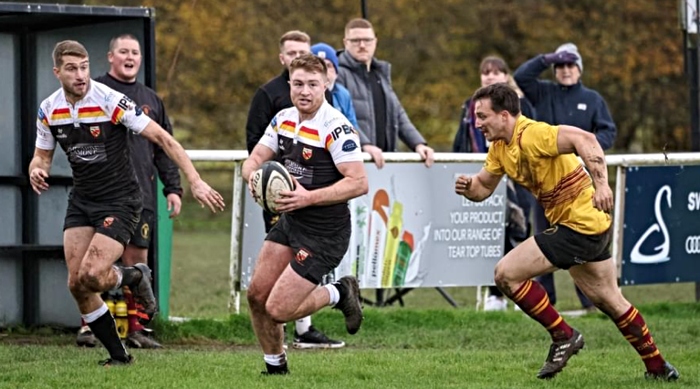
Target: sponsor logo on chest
x=60, y=134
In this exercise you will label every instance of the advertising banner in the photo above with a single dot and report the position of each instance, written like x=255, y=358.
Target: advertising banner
x=410, y=230
x=661, y=240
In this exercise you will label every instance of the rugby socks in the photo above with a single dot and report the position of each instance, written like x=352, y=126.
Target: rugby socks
x=133, y=311
x=634, y=329
x=102, y=325
x=334, y=293
x=302, y=325
x=128, y=276
x=276, y=363
x=532, y=299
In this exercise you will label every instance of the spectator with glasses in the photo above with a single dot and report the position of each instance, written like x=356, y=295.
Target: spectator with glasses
x=380, y=114
x=568, y=102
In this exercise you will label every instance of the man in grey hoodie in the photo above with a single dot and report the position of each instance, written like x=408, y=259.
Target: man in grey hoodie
x=379, y=112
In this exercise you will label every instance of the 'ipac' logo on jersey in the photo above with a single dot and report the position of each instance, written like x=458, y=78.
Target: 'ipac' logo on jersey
x=125, y=103
x=344, y=129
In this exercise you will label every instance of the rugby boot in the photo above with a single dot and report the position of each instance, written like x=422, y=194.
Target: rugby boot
x=143, y=294
x=559, y=354
x=669, y=373
x=350, y=304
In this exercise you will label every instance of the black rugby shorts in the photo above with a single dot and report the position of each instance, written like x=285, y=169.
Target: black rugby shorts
x=144, y=230
x=314, y=255
x=116, y=219
x=564, y=247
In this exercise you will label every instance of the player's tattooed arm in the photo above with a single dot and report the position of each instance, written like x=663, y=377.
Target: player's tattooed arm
x=573, y=139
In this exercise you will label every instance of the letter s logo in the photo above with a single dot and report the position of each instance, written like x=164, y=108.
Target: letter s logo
x=662, y=250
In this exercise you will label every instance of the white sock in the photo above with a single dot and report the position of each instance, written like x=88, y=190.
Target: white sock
x=119, y=276
x=276, y=360
x=94, y=315
x=334, y=294
x=303, y=324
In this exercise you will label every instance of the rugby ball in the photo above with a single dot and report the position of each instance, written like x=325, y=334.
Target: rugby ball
x=268, y=181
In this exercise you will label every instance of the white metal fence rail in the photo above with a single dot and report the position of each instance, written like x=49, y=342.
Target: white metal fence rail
x=620, y=162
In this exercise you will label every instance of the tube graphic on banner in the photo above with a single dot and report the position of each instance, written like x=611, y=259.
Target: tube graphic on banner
x=414, y=275
x=403, y=258
x=410, y=213
x=358, y=242
x=392, y=244
x=378, y=221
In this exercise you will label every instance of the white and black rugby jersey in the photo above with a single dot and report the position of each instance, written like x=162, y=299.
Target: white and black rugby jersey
x=93, y=133
x=310, y=151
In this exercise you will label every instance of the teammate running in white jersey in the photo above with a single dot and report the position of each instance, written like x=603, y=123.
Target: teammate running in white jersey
x=319, y=147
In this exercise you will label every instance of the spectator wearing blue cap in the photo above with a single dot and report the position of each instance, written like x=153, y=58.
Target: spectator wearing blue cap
x=342, y=101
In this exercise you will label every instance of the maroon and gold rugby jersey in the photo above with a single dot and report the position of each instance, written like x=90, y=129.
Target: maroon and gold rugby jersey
x=559, y=181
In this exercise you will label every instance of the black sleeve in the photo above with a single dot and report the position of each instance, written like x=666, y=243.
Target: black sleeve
x=603, y=125
x=526, y=108
x=526, y=76
x=259, y=116
x=459, y=145
x=167, y=170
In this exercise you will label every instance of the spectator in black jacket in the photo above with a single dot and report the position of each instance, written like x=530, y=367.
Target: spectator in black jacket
x=565, y=101
x=469, y=139
x=268, y=100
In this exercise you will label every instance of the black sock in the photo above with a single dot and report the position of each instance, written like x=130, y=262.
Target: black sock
x=281, y=369
x=130, y=276
x=342, y=291
x=105, y=330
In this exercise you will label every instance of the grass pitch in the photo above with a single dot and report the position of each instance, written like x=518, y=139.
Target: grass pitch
x=426, y=344
x=396, y=348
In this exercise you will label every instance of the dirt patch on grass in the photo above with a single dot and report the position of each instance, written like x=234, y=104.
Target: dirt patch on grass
x=35, y=340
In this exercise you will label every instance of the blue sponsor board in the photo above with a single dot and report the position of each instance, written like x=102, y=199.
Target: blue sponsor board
x=661, y=239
